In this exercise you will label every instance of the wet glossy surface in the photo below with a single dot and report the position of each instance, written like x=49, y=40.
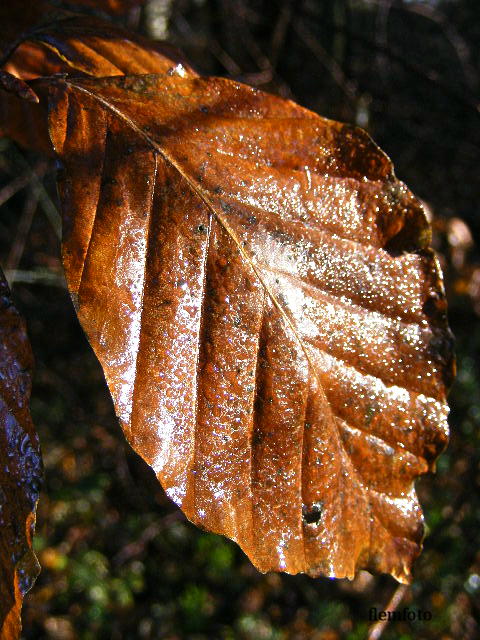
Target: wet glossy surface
x=20, y=468
x=260, y=291
x=68, y=43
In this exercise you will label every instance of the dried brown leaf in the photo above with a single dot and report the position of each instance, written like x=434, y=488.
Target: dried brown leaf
x=20, y=468
x=82, y=44
x=67, y=43
x=261, y=293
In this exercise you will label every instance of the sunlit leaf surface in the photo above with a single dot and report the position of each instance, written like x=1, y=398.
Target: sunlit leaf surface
x=260, y=291
x=67, y=43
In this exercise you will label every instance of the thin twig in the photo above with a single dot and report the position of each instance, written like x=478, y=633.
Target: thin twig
x=23, y=229
x=47, y=205
x=212, y=45
x=347, y=86
x=428, y=75
x=381, y=35
x=279, y=32
x=450, y=32
x=10, y=189
x=136, y=548
x=224, y=58
x=378, y=628
x=36, y=276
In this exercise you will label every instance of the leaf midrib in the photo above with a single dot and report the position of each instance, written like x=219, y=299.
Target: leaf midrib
x=203, y=196
x=201, y=193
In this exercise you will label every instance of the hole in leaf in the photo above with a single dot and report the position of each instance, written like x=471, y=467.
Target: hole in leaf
x=312, y=514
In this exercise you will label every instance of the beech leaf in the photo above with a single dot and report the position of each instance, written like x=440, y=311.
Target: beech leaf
x=68, y=43
x=261, y=293
x=89, y=46
x=20, y=468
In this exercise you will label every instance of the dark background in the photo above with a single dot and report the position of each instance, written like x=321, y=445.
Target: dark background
x=119, y=560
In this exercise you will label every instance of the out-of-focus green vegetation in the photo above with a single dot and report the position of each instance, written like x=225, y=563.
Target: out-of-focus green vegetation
x=119, y=560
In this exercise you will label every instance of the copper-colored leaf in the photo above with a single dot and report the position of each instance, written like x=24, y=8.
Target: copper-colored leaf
x=20, y=468
x=21, y=18
x=260, y=291
x=76, y=44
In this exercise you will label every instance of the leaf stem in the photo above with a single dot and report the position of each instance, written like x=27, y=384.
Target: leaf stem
x=378, y=628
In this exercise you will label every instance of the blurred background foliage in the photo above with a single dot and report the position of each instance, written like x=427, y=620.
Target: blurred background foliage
x=119, y=560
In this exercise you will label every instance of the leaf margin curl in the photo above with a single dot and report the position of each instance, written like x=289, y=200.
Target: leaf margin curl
x=406, y=231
